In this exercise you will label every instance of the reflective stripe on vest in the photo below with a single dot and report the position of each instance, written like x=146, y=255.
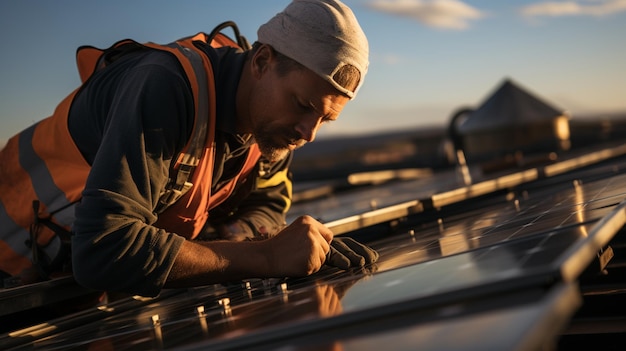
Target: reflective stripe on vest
x=34, y=169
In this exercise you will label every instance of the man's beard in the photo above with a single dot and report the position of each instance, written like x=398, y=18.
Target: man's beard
x=270, y=148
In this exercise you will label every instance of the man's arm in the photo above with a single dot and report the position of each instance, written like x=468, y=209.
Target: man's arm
x=139, y=113
x=299, y=250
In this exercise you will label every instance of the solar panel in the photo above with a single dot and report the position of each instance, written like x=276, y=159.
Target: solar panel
x=509, y=260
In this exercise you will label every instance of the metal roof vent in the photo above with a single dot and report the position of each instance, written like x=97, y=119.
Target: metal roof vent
x=511, y=127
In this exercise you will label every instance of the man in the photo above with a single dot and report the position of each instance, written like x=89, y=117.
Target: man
x=166, y=145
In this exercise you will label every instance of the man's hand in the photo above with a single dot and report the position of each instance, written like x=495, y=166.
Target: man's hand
x=299, y=249
x=346, y=252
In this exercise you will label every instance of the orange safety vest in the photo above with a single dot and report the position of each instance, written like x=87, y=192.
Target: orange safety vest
x=43, y=173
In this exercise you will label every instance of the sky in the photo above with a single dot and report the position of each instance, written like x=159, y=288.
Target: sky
x=428, y=58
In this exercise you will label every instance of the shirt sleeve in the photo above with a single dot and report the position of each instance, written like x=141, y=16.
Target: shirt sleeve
x=147, y=115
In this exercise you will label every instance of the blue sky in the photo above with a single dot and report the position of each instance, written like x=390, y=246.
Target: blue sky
x=427, y=57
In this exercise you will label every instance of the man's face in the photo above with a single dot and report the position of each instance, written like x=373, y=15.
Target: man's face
x=288, y=110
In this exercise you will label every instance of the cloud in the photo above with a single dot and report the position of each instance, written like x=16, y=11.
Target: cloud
x=574, y=8
x=445, y=14
x=392, y=59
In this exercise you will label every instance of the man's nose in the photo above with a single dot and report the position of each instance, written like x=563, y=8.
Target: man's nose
x=307, y=128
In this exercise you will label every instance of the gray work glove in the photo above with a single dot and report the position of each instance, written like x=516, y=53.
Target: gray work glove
x=346, y=252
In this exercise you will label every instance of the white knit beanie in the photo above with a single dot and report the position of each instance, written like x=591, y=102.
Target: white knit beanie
x=322, y=35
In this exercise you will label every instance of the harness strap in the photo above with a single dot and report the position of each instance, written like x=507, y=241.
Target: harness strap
x=54, y=255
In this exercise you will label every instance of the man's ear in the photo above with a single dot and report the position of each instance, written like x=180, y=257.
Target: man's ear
x=261, y=60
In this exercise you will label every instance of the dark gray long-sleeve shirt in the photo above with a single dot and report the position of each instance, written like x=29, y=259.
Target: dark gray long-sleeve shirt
x=130, y=120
